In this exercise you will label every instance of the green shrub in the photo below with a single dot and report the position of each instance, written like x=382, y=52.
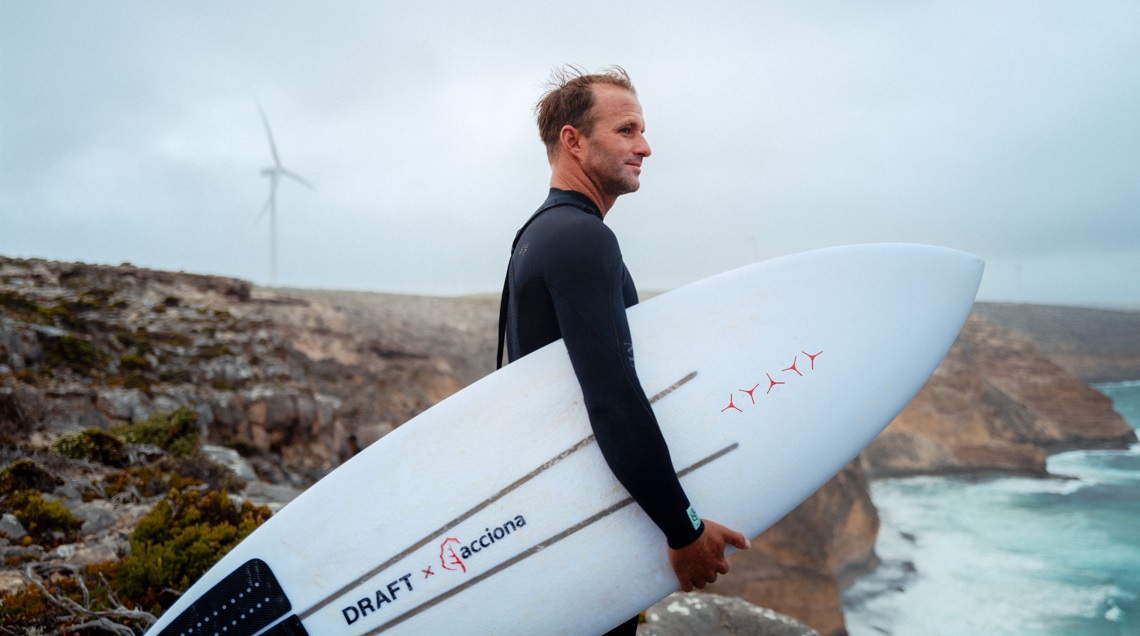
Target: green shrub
x=132, y=361
x=18, y=306
x=199, y=469
x=25, y=474
x=74, y=353
x=213, y=350
x=93, y=445
x=139, y=340
x=42, y=519
x=176, y=376
x=181, y=538
x=148, y=481
x=136, y=380
x=175, y=432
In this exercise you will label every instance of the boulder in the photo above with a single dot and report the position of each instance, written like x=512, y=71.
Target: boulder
x=97, y=516
x=231, y=459
x=11, y=527
x=686, y=614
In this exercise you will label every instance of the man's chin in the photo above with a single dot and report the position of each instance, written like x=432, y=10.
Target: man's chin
x=618, y=187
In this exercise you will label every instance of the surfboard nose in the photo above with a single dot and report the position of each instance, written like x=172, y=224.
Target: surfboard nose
x=970, y=266
x=950, y=268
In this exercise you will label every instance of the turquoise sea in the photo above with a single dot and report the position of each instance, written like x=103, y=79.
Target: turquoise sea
x=1012, y=556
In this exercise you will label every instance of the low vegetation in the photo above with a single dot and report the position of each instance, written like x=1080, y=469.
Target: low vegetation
x=192, y=524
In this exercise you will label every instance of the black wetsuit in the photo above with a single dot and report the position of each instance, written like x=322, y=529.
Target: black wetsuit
x=566, y=279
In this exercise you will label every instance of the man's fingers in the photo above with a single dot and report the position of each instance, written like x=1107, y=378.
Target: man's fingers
x=702, y=562
x=739, y=541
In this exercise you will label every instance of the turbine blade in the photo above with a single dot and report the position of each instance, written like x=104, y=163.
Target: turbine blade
x=269, y=133
x=298, y=178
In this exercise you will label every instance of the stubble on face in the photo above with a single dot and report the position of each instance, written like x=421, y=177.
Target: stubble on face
x=617, y=142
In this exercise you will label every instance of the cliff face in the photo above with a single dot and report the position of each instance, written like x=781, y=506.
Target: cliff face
x=1095, y=345
x=86, y=346
x=799, y=566
x=995, y=404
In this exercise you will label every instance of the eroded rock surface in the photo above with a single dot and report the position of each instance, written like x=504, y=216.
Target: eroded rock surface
x=798, y=566
x=684, y=614
x=85, y=346
x=995, y=404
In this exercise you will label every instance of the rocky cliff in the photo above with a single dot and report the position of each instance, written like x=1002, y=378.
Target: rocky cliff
x=1095, y=345
x=995, y=404
x=293, y=379
x=799, y=566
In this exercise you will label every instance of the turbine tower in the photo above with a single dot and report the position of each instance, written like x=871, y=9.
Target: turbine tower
x=275, y=172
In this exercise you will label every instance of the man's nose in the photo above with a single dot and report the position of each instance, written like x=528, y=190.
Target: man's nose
x=643, y=148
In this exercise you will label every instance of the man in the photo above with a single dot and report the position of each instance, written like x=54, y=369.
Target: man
x=566, y=279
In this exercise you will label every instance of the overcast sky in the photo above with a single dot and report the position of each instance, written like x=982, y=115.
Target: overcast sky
x=129, y=132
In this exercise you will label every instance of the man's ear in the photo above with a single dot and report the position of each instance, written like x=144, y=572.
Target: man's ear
x=570, y=140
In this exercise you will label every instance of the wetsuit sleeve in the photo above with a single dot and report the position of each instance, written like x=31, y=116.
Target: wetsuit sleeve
x=585, y=277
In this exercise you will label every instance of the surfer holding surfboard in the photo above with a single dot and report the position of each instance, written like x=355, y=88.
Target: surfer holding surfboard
x=567, y=280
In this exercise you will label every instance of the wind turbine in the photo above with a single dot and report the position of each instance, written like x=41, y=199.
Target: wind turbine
x=275, y=172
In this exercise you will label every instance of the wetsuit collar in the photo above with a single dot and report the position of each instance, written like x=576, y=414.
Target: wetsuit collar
x=574, y=198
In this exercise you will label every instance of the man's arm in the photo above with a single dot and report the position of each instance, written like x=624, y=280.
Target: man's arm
x=585, y=276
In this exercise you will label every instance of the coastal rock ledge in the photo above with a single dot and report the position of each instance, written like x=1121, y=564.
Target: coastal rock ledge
x=996, y=404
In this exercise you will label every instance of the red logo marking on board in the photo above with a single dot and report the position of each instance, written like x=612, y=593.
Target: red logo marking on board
x=793, y=367
x=448, y=557
x=772, y=384
x=427, y=572
x=730, y=405
x=749, y=392
x=813, y=357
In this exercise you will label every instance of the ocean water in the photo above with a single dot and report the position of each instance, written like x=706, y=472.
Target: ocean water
x=1012, y=556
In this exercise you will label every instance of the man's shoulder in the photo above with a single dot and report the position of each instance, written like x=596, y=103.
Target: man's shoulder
x=568, y=218
x=566, y=239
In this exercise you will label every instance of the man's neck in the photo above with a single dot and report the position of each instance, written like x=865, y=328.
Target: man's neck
x=579, y=183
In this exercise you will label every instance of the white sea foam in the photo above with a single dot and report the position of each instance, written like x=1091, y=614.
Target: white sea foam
x=975, y=573
x=1008, y=556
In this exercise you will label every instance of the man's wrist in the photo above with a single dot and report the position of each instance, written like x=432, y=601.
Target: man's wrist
x=687, y=531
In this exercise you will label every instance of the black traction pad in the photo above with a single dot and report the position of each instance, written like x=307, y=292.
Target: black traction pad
x=241, y=604
x=289, y=627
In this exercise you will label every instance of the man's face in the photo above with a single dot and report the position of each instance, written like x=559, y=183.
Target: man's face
x=617, y=145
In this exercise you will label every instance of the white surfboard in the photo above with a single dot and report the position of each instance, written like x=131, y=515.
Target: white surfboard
x=494, y=513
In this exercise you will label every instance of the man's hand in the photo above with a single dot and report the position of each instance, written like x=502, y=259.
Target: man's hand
x=699, y=563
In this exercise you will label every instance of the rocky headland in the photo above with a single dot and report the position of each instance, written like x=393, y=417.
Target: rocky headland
x=281, y=386
x=997, y=403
